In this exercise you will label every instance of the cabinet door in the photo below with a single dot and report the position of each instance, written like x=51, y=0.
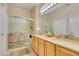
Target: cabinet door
x=41, y=47
x=36, y=44
x=3, y=29
x=33, y=42
x=64, y=52
x=49, y=49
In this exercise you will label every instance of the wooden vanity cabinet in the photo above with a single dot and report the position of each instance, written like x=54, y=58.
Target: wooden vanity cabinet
x=49, y=49
x=41, y=47
x=36, y=45
x=35, y=42
x=45, y=48
x=60, y=51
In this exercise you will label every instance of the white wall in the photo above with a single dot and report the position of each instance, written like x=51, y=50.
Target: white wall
x=18, y=11
x=35, y=14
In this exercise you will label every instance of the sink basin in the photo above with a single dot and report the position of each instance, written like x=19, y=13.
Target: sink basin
x=75, y=41
x=72, y=41
x=49, y=35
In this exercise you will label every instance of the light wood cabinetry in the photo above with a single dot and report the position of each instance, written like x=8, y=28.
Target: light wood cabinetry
x=35, y=44
x=45, y=48
x=49, y=49
x=64, y=52
x=41, y=47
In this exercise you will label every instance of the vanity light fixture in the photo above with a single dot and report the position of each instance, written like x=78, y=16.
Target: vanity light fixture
x=47, y=6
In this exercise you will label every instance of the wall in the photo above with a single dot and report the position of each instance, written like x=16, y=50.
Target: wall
x=33, y=15
x=18, y=11
x=33, y=12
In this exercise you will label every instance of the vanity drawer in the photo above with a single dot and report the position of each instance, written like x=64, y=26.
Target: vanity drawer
x=60, y=51
x=41, y=41
x=41, y=47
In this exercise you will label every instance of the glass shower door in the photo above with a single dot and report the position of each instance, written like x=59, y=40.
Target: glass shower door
x=18, y=32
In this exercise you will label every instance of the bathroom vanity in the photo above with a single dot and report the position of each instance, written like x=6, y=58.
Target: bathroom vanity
x=53, y=46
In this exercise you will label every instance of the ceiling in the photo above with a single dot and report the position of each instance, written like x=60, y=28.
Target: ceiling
x=25, y=5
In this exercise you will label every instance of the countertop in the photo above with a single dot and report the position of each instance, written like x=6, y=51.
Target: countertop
x=67, y=43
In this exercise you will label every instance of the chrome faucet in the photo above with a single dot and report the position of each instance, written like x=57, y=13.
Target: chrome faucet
x=68, y=36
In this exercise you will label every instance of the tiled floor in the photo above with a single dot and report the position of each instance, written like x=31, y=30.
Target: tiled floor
x=32, y=53
x=22, y=51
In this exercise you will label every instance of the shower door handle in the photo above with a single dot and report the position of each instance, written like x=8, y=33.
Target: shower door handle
x=2, y=34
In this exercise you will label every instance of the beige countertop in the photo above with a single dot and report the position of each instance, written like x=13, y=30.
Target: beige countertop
x=69, y=44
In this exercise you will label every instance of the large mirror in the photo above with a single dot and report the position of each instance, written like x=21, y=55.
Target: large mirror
x=74, y=24
x=59, y=25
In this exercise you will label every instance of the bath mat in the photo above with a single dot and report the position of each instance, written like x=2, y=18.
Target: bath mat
x=19, y=52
